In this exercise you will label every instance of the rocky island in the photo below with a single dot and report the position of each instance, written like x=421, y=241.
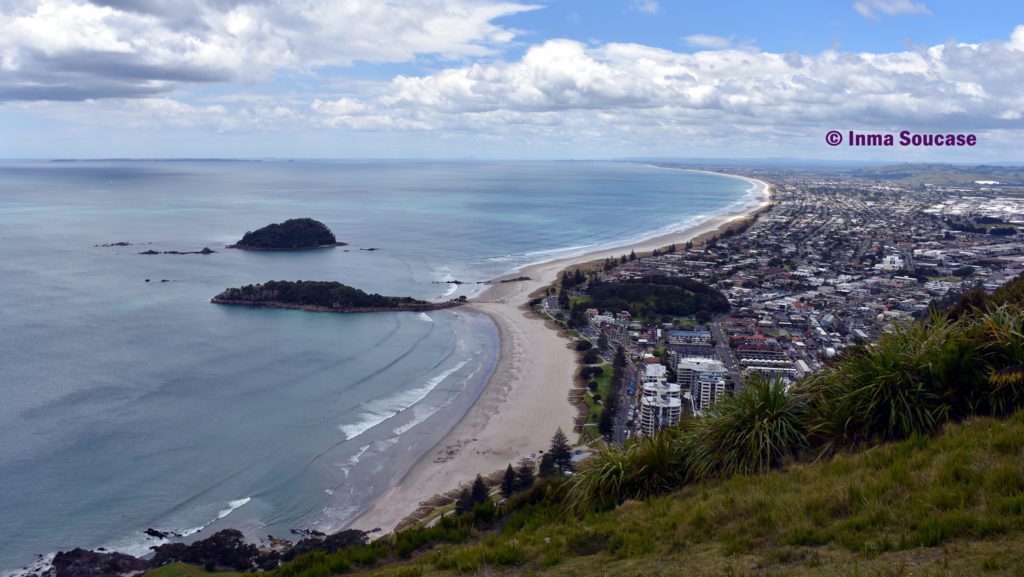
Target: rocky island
x=323, y=296
x=292, y=234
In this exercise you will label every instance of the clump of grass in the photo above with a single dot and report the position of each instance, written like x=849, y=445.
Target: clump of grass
x=1002, y=334
x=751, y=432
x=643, y=467
x=905, y=383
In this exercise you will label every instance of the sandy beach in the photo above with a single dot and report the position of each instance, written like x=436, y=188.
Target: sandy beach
x=527, y=396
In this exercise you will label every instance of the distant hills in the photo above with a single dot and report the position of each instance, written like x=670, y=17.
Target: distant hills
x=945, y=174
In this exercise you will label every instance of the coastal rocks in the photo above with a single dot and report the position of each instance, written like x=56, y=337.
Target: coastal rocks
x=83, y=563
x=206, y=250
x=327, y=543
x=157, y=534
x=292, y=234
x=226, y=548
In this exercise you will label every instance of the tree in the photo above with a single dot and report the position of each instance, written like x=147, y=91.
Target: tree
x=620, y=358
x=606, y=425
x=464, y=504
x=547, y=466
x=632, y=255
x=524, y=475
x=479, y=493
x=578, y=317
x=563, y=299
x=508, y=482
x=561, y=452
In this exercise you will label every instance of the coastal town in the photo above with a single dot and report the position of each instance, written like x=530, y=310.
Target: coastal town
x=832, y=262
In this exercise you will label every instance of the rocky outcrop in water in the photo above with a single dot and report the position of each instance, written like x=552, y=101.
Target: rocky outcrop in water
x=293, y=234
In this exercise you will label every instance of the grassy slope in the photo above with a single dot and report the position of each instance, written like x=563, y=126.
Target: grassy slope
x=952, y=505
x=183, y=570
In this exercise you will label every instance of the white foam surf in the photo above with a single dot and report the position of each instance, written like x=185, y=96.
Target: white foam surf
x=231, y=508
x=376, y=412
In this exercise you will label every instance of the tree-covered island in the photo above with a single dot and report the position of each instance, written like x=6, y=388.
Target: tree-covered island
x=323, y=296
x=292, y=234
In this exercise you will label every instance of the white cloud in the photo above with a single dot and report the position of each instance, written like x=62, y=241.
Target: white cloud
x=628, y=92
x=75, y=49
x=708, y=41
x=648, y=6
x=623, y=97
x=872, y=8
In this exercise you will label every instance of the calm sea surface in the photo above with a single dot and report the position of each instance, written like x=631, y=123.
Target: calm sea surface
x=126, y=405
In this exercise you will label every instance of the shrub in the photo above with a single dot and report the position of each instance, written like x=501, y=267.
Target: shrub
x=1002, y=337
x=907, y=382
x=750, y=432
x=643, y=467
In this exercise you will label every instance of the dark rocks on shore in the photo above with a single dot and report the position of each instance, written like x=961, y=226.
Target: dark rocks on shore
x=224, y=549
x=371, y=249
x=448, y=282
x=122, y=243
x=82, y=563
x=161, y=534
x=327, y=543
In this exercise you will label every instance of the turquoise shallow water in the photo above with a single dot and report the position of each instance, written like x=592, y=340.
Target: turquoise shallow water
x=128, y=405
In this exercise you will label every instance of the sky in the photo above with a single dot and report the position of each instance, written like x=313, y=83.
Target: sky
x=508, y=79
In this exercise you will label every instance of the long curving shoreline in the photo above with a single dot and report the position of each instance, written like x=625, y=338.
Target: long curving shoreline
x=527, y=397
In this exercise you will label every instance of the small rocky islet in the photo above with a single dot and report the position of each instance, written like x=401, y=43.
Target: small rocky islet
x=292, y=234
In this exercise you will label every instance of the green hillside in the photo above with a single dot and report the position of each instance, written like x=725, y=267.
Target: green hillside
x=952, y=505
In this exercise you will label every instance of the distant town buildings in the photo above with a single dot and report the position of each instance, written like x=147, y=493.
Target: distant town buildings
x=836, y=262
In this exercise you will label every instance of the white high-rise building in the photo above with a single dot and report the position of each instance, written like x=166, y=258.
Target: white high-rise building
x=704, y=378
x=711, y=385
x=661, y=404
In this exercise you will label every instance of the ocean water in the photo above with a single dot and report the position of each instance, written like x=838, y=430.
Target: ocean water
x=127, y=404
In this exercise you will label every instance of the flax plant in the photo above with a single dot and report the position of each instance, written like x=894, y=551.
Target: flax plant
x=753, y=431
x=642, y=467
